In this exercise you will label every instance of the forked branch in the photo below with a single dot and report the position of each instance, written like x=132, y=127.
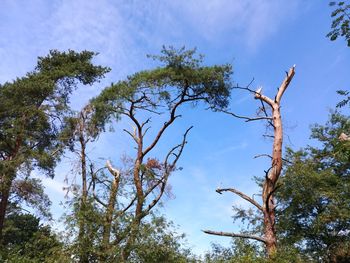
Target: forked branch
x=285, y=84
x=112, y=170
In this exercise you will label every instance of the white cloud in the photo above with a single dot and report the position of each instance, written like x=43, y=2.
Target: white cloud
x=250, y=22
x=124, y=31
x=54, y=186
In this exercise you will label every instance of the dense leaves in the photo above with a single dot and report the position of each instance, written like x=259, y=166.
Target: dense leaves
x=32, y=116
x=314, y=202
x=181, y=77
x=32, y=108
x=26, y=240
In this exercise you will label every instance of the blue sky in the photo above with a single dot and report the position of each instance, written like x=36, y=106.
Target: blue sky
x=262, y=39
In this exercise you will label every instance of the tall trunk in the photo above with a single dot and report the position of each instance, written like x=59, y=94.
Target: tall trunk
x=8, y=175
x=109, y=213
x=8, y=171
x=271, y=176
x=5, y=193
x=270, y=183
x=84, y=258
x=138, y=211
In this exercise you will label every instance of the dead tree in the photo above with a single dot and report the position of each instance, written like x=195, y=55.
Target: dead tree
x=267, y=207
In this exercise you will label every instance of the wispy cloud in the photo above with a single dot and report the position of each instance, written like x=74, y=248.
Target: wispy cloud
x=249, y=22
x=123, y=31
x=55, y=186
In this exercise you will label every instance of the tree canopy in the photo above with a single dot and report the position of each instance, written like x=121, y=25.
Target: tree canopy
x=32, y=115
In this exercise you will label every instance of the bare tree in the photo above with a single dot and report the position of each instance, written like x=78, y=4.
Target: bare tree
x=268, y=205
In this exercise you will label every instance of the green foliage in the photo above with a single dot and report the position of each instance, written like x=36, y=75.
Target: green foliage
x=30, y=192
x=159, y=242
x=182, y=77
x=25, y=240
x=32, y=113
x=314, y=213
x=344, y=101
x=240, y=251
x=32, y=108
x=243, y=251
x=89, y=244
x=341, y=19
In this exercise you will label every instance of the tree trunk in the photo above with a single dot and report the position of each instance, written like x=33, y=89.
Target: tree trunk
x=5, y=193
x=5, y=188
x=84, y=257
x=271, y=175
x=270, y=182
x=109, y=214
x=138, y=211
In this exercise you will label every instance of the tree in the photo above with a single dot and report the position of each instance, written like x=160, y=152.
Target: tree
x=159, y=242
x=139, y=99
x=26, y=240
x=340, y=24
x=29, y=192
x=79, y=133
x=243, y=251
x=314, y=204
x=32, y=111
x=267, y=209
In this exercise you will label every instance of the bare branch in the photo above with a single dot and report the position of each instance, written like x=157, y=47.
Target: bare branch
x=264, y=98
x=98, y=199
x=263, y=108
x=257, y=95
x=263, y=155
x=245, y=88
x=149, y=110
x=227, y=234
x=181, y=146
x=167, y=172
x=171, y=119
x=285, y=84
x=146, y=130
x=145, y=122
x=131, y=115
x=112, y=170
x=245, y=117
x=132, y=135
x=242, y=195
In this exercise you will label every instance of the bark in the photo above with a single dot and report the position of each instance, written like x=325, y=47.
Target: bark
x=82, y=221
x=274, y=172
x=270, y=184
x=5, y=193
x=110, y=208
x=138, y=211
x=8, y=175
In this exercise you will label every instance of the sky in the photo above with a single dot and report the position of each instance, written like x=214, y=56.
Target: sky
x=261, y=39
